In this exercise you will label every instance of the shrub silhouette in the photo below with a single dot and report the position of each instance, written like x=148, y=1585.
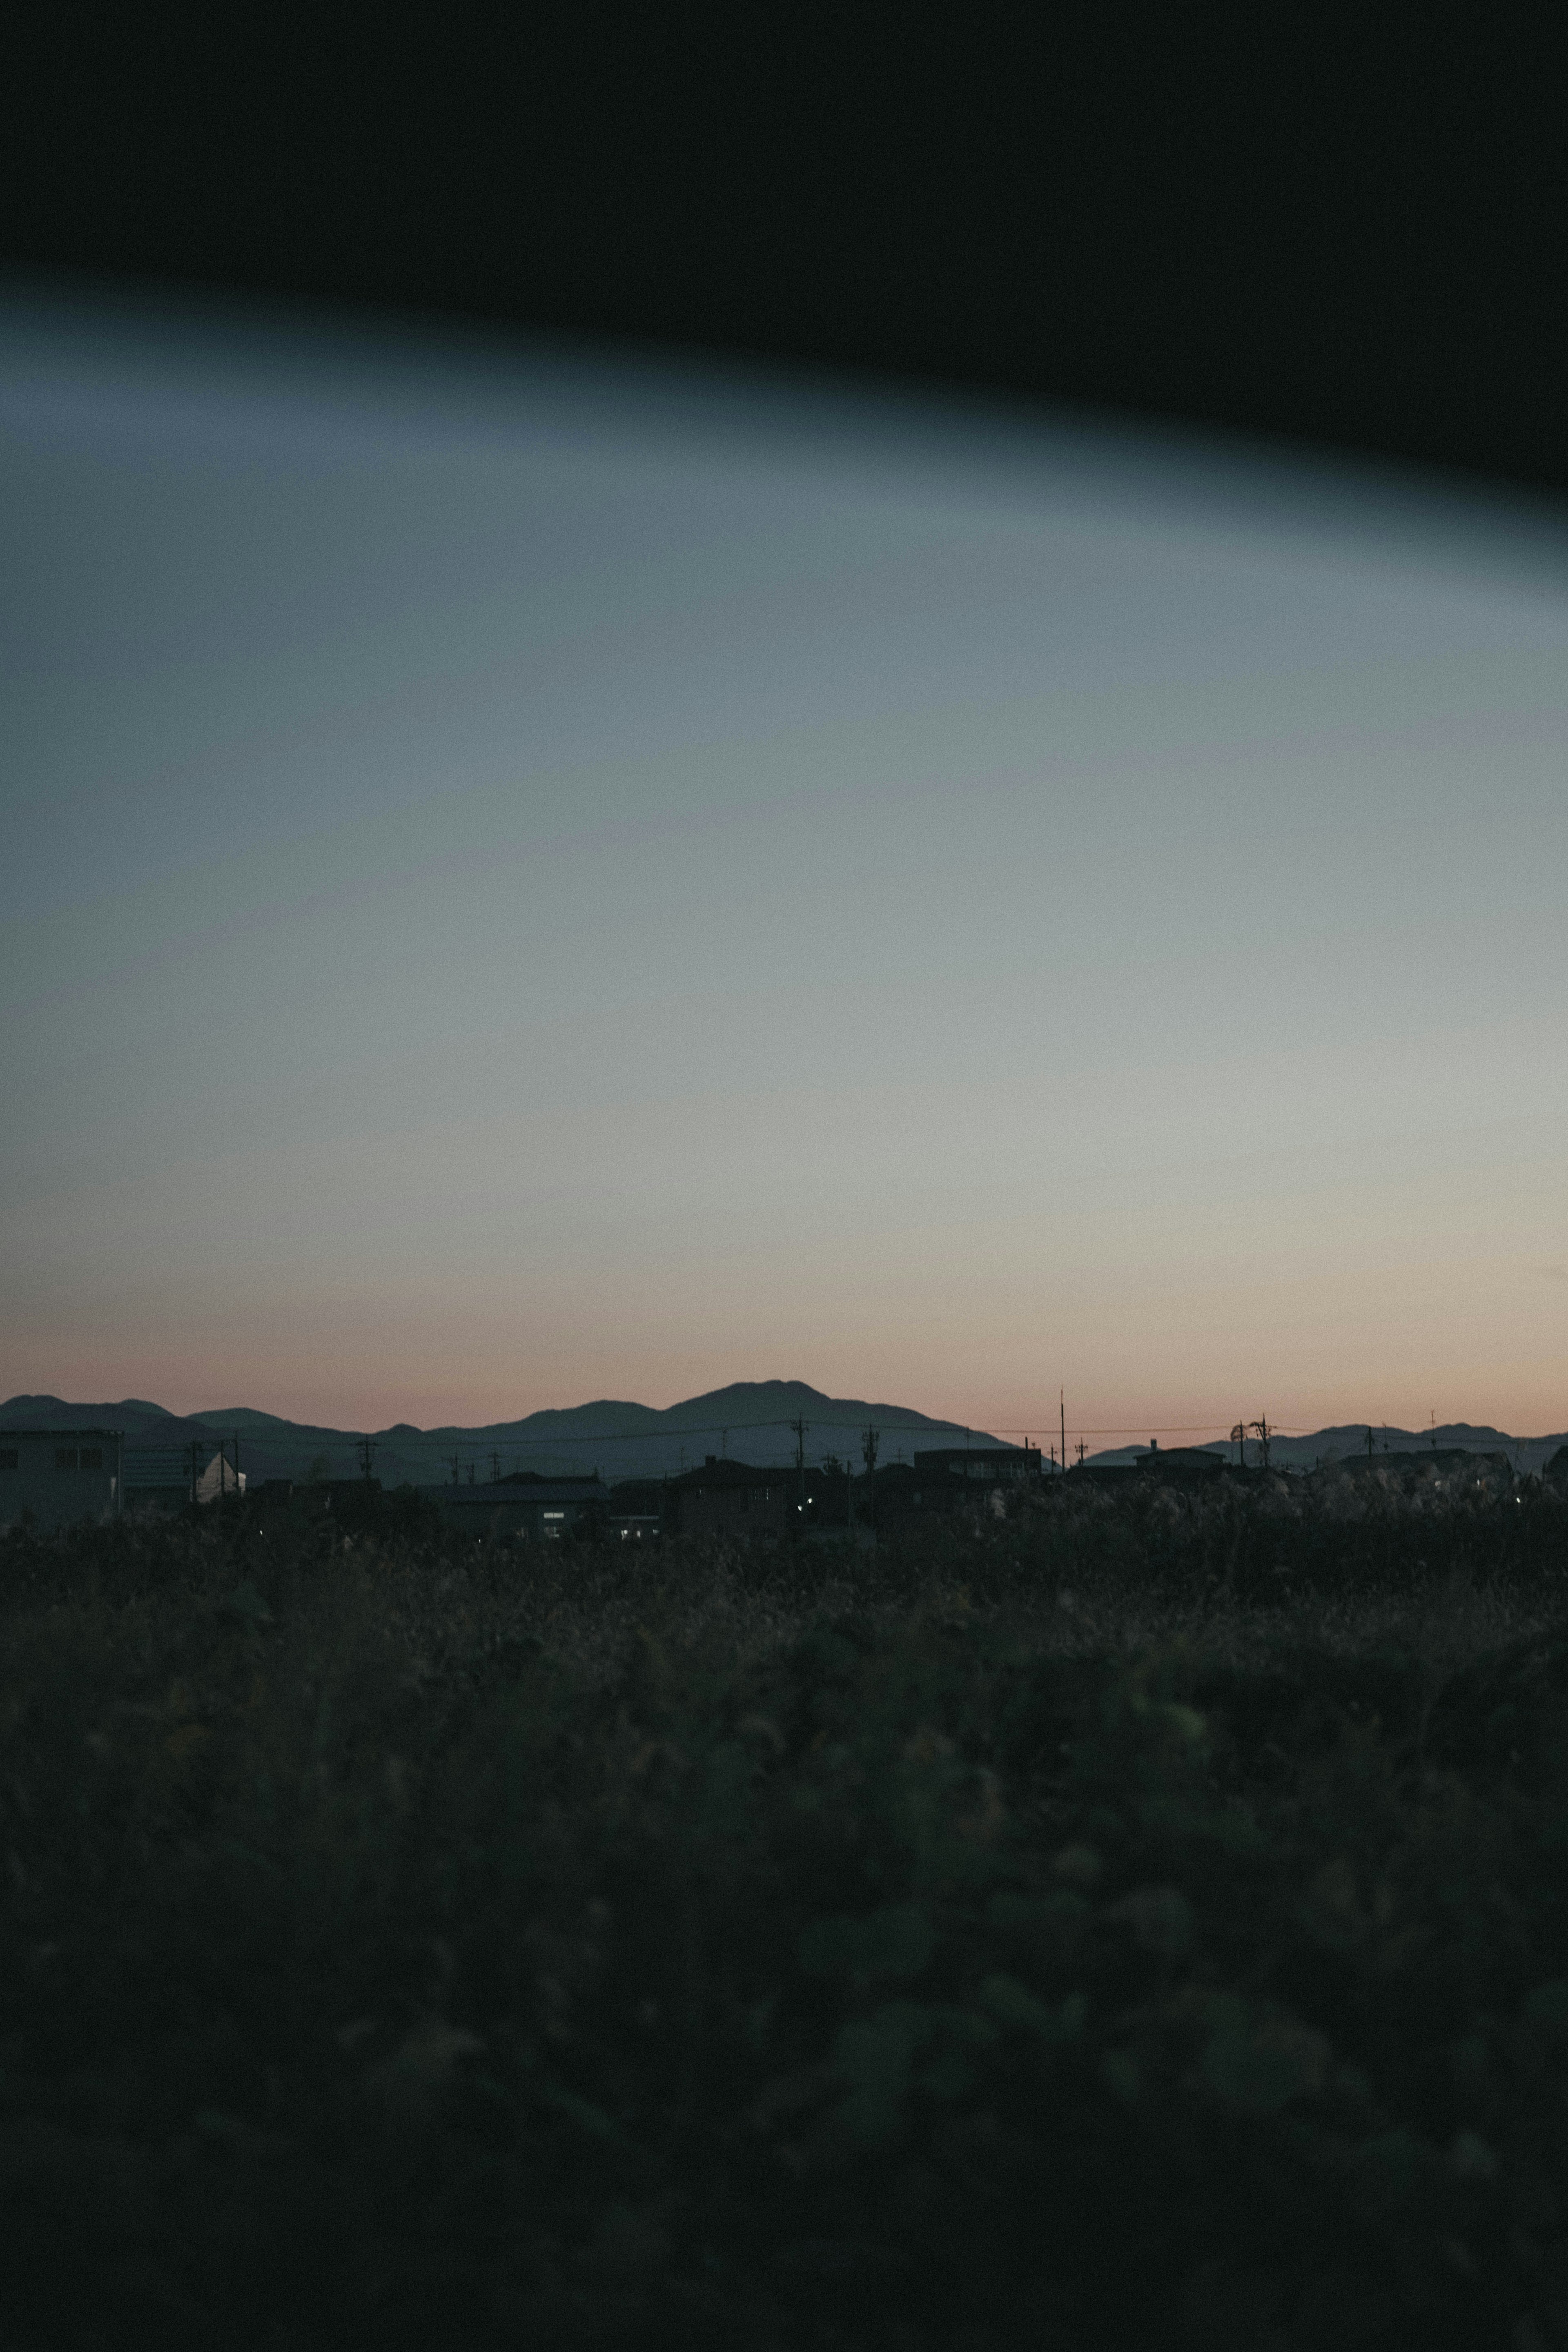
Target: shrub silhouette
x=1128, y=1921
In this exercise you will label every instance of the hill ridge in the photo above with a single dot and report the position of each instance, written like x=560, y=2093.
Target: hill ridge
x=636, y=1440
x=624, y=1439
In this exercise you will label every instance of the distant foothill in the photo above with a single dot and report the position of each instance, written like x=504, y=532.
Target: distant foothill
x=801, y=1461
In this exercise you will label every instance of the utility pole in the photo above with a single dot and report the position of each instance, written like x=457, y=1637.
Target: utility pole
x=1263, y=1434
x=1062, y=1409
x=1239, y=1439
x=495, y=1469
x=367, y=1450
x=456, y=1466
x=1082, y=1450
x=800, y=1428
x=869, y=1439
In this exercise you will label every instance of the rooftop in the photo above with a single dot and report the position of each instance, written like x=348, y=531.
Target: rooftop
x=501, y=1494
x=48, y=1436
x=723, y=1470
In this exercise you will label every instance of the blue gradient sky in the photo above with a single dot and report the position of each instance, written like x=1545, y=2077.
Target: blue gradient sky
x=525, y=880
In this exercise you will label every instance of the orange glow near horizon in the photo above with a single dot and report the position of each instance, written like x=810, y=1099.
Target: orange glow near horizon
x=601, y=887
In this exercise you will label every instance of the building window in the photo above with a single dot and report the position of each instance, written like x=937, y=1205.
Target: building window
x=65, y=1457
x=10, y=1457
x=91, y=1457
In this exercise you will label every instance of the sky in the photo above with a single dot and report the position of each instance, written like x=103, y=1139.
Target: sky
x=530, y=877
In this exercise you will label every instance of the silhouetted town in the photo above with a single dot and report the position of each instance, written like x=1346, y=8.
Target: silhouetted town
x=54, y=1477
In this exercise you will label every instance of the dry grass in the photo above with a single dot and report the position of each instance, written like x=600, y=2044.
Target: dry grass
x=1124, y=1922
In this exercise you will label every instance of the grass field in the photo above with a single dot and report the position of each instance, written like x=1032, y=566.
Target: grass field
x=1137, y=1922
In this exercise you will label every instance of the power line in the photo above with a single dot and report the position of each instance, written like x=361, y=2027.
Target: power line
x=566, y=1439
x=1159, y=1429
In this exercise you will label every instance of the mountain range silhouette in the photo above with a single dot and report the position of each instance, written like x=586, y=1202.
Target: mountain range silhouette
x=750, y=1420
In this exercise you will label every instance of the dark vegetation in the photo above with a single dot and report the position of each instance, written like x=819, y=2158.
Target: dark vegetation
x=1141, y=1920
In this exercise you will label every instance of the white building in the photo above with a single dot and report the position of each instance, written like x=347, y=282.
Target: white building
x=167, y=1477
